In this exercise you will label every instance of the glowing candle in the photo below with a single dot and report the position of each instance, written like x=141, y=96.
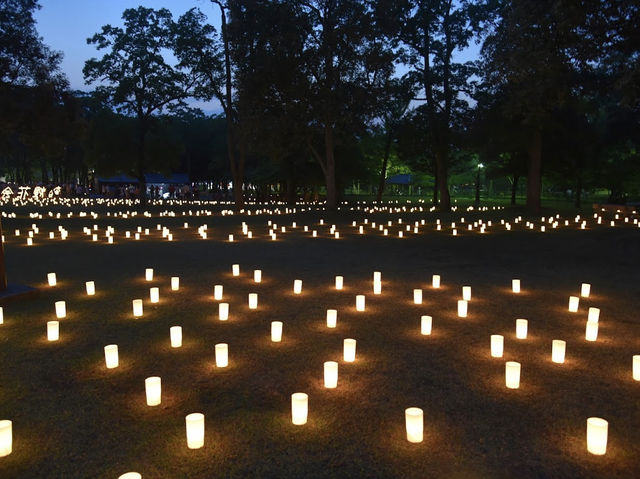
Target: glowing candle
x=153, y=389
x=466, y=293
x=1, y=315
x=435, y=281
x=521, y=328
x=230, y=238
x=276, y=331
x=417, y=296
x=148, y=274
x=585, y=290
x=594, y=314
x=223, y=311
x=253, y=300
x=512, y=375
x=377, y=276
x=497, y=345
x=349, y=352
x=235, y=269
x=573, y=303
x=332, y=318
x=175, y=283
x=217, y=292
x=330, y=374
x=137, y=307
x=299, y=408
x=414, y=424
x=297, y=286
x=462, y=308
x=339, y=282
x=515, y=285
x=425, y=325
x=91, y=288
x=53, y=330
x=257, y=275
x=51, y=278
x=636, y=367
x=195, y=430
x=175, y=334
x=111, y=356
x=130, y=475
x=6, y=437
x=558, y=348
x=360, y=302
x=597, y=432
x=222, y=355
x=377, y=287
x=61, y=309
x=591, y=333
x=154, y=295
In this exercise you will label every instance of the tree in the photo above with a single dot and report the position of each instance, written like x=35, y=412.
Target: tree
x=136, y=78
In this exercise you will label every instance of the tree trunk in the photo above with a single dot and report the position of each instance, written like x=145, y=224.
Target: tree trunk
x=383, y=170
x=441, y=166
x=435, y=188
x=290, y=188
x=514, y=189
x=534, y=174
x=579, y=190
x=330, y=169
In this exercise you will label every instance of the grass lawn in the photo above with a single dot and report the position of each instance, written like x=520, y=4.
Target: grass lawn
x=73, y=417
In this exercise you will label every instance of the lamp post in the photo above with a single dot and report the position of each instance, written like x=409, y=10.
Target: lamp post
x=480, y=166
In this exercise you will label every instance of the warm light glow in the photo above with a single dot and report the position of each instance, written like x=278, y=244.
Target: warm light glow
x=253, y=300
x=512, y=375
x=466, y=293
x=515, y=285
x=594, y=314
x=1, y=315
x=597, y=432
x=377, y=276
x=153, y=389
x=417, y=296
x=130, y=475
x=636, y=367
x=425, y=325
x=137, y=307
x=339, y=282
x=435, y=281
x=299, y=408
x=414, y=423
x=111, y=356
x=521, y=328
x=222, y=355
x=462, y=308
x=61, y=309
x=217, y=292
x=330, y=374
x=332, y=318
x=53, y=330
x=235, y=269
x=257, y=275
x=349, y=352
x=297, y=286
x=6, y=437
x=558, y=348
x=51, y=278
x=91, y=288
x=175, y=334
x=585, y=289
x=154, y=295
x=175, y=283
x=377, y=287
x=276, y=331
x=574, y=301
x=148, y=274
x=591, y=333
x=497, y=345
x=223, y=311
x=195, y=430
x=360, y=302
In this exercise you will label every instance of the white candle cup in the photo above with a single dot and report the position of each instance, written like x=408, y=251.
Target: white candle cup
x=594, y=314
x=299, y=408
x=360, y=302
x=521, y=328
x=636, y=367
x=377, y=287
x=462, y=308
x=175, y=283
x=61, y=309
x=297, y=286
x=512, y=374
x=377, y=276
x=257, y=275
x=332, y=318
x=223, y=311
x=497, y=345
x=585, y=290
x=91, y=288
x=6, y=437
x=154, y=295
x=51, y=278
x=466, y=293
x=148, y=274
x=53, y=330
x=1, y=315
x=425, y=325
x=153, y=390
x=435, y=281
x=137, y=307
x=558, y=349
x=417, y=296
x=574, y=302
x=276, y=331
x=195, y=430
x=218, y=290
x=591, y=332
x=130, y=475
x=111, y=356
x=515, y=285
x=253, y=300
x=222, y=355
x=597, y=432
x=414, y=421
x=349, y=350
x=339, y=282
x=175, y=335
x=235, y=269
x=330, y=374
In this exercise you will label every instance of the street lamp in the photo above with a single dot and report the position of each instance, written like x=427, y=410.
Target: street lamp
x=480, y=166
